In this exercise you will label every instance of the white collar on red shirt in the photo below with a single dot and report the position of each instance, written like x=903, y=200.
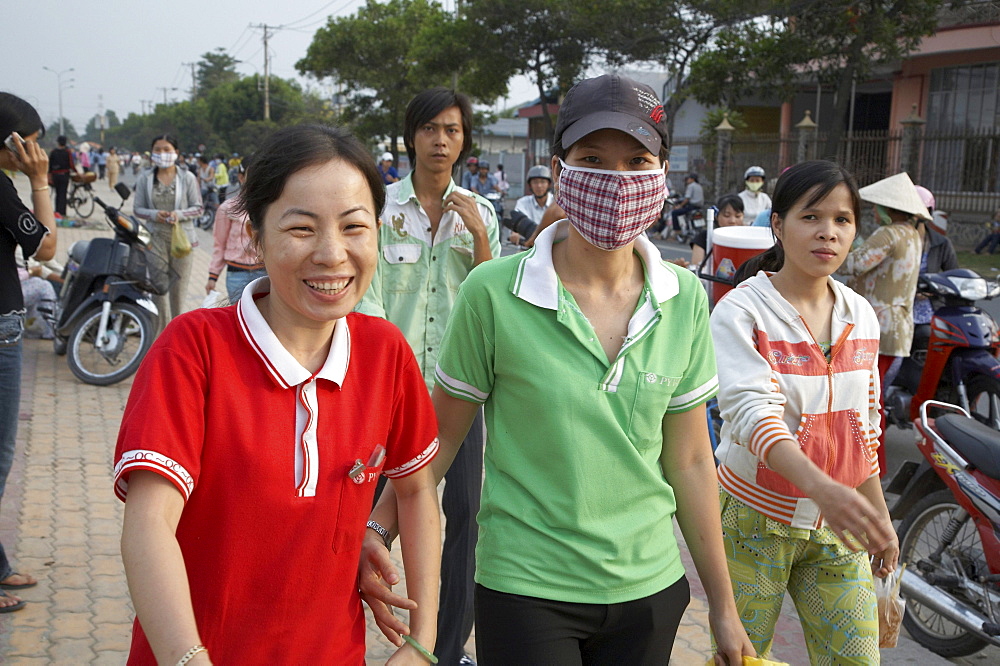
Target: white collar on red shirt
x=281, y=365
x=538, y=284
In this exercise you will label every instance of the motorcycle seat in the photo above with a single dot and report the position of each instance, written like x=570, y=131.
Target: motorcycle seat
x=977, y=442
x=79, y=250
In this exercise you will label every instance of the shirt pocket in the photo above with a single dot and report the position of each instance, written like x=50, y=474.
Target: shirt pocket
x=11, y=329
x=401, y=275
x=835, y=442
x=652, y=396
x=356, y=497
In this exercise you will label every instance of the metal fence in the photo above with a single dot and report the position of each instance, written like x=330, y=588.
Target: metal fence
x=962, y=169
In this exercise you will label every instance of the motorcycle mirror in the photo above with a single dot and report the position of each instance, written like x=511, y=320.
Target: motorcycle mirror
x=123, y=191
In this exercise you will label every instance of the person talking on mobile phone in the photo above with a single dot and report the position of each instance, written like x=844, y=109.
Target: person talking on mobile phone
x=34, y=230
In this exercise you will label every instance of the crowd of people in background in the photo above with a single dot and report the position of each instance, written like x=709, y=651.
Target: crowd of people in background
x=371, y=321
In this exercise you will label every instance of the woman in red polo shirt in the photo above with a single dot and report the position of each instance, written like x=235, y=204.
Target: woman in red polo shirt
x=254, y=435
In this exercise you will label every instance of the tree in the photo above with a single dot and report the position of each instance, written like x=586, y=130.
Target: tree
x=839, y=42
x=93, y=130
x=553, y=42
x=386, y=53
x=53, y=130
x=215, y=68
x=546, y=40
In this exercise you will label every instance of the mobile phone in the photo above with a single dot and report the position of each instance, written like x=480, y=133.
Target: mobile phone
x=10, y=143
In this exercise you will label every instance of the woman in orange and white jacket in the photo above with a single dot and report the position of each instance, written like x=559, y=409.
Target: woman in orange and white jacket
x=801, y=501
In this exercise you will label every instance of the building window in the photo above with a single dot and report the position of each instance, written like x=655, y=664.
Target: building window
x=961, y=147
x=964, y=98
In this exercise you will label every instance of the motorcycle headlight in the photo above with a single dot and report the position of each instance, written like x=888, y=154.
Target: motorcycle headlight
x=144, y=236
x=973, y=289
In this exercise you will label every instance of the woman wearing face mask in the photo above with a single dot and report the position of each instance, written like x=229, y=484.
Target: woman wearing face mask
x=165, y=196
x=615, y=442
x=754, y=197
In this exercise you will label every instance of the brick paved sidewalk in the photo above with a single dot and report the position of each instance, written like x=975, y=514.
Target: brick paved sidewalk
x=61, y=521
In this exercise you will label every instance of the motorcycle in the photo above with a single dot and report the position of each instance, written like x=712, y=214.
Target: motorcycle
x=104, y=319
x=952, y=359
x=692, y=223
x=949, y=537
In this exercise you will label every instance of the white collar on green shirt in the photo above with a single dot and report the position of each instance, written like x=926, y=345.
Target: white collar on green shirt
x=280, y=364
x=538, y=284
x=406, y=192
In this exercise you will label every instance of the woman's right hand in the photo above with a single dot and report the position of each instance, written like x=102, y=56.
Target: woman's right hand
x=32, y=161
x=853, y=518
x=164, y=216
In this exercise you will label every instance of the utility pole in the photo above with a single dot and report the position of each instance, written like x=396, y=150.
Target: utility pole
x=267, y=72
x=59, y=81
x=165, y=93
x=194, y=79
x=101, y=118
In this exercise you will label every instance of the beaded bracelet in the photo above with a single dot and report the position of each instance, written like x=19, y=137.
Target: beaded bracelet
x=190, y=654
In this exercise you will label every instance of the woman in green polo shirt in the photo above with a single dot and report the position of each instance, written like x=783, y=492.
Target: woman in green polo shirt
x=596, y=428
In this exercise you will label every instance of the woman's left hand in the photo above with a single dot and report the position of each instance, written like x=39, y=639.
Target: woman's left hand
x=731, y=641
x=884, y=561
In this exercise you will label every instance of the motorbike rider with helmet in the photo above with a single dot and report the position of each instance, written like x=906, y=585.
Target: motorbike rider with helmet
x=530, y=208
x=471, y=171
x=754, y=197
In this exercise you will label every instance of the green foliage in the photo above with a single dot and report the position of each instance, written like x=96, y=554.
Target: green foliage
x=216, y=68
x=52, y=131
x=775, y=50
x=229, y=118
x=714, y=116
x=386, y=53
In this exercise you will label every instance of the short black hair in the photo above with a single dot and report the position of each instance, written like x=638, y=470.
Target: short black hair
x=17, y=115
x=291, y=149
x=61, y=140
x=815, y=179
x=425, y=106
x=732, y=200
x=164, y=137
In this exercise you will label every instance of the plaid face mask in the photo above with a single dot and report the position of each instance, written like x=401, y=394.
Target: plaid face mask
x=164, y=160
x=611, y=208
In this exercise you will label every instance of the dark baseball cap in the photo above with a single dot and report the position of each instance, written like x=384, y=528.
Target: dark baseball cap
x=612, y=102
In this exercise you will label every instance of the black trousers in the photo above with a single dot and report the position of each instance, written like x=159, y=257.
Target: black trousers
x=514, y=629
x=460, y=504
x=60, y=183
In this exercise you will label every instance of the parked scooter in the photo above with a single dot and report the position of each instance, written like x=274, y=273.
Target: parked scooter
x=950, y=535
x=104, y=318
x=953, y=359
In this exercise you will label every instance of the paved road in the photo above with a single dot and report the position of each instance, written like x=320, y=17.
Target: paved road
x=61, y=520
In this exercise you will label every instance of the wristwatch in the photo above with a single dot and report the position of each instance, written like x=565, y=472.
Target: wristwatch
x=382, y=532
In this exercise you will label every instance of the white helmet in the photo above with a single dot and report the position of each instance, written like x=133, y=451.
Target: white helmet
x=539, y=171
x=753, y=171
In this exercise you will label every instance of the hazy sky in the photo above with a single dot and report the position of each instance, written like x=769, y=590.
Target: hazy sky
x=124, y=52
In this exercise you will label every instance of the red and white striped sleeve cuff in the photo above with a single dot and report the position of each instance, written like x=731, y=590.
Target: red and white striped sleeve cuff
x=422, y=459
x=769, y=431
x=152, y=461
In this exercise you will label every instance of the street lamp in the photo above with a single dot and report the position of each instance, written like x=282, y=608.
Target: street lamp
x=59, y=75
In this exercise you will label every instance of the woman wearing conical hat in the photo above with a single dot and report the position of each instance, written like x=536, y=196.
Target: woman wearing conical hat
x=885, y=271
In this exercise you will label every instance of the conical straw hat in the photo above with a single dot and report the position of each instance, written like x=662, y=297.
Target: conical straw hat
x=896, y=192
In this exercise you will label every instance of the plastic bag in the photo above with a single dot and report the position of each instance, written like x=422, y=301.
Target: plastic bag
x=215, y=299
x=180, y=244
x=890, y=608
x=753, y=661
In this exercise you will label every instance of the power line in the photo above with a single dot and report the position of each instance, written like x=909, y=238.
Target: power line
x=245, y=30
x=309, y=16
